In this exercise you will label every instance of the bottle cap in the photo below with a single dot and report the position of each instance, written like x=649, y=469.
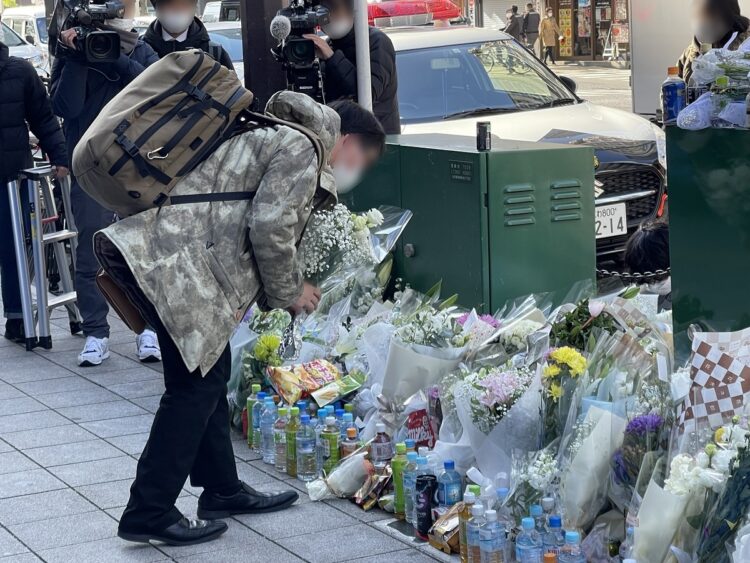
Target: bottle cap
x=283, y=411
x=527, y=523
x=261, y=395
x=410, y=456
x=476, y=489
x=305, y=419
x=410, y=444
x=339, y=413
x=322, y=414
x=351, y=433
x=400, y=448
x=548, y=503
x=491, y=515
x=550, y=558
x=421, y=460
x=329, y=409
x=477, y=509
x=555, y=521
x=536, y=510
x=348, y=407
x=449, y=465
x=255, y=388
x=380, y=428
x=673, y=71
x=302, y=405
x=330, y=420
x=348, y=417
x=276, y=398
x=295, y=411
x=423, y=451
x=572, y=537
x=630, y=530
x=469, y=497
x=501, y=492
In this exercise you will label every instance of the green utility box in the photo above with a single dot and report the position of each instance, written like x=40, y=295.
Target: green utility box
x=709, y=224
x=492, y=225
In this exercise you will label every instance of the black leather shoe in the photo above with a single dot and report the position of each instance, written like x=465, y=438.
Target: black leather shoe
x=184, y=532
x=246, y=501
x=14, y=331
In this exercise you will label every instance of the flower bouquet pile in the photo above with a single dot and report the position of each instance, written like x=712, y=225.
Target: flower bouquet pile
x=559, y=380
x=534, y=475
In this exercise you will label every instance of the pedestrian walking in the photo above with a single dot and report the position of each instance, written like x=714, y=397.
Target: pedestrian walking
x=513, y=23
x=550, y=33
x=531, y=21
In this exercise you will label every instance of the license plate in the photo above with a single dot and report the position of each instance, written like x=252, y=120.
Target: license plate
x=611, y=220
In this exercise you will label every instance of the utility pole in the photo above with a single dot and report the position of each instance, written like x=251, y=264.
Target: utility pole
x=264, y=75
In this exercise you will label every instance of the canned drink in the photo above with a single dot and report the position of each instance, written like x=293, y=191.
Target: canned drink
x=484, y=136
x=424, y=501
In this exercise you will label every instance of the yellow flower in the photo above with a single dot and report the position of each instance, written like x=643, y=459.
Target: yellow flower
x=719, y=435
x=555, y=391
x=552, y=370
x=267, y=347
x=572, y=358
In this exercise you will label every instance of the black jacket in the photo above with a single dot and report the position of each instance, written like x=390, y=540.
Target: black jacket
x=514, y=27
x=23, y=99
x=531, y=21
x=79, y=90
x=340, y=78
x=197, y=38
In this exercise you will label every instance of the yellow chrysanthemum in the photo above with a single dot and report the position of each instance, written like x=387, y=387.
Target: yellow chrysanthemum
x=266, y=347
x=555, y=391
x=552, y=370
x=719, y=435
x=570, y=357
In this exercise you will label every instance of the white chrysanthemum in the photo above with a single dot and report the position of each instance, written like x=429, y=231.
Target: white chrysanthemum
x=374, y=218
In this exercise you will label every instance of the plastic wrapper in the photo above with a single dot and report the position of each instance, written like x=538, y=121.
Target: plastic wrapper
x=534, y=475
x=294, y=382
x=596, y=545
x=659, y=518
x=339, y=388
x=368, y=495
x=348, y=477
x=734, y=113
x=418, y=424
x=740, y=552
x=699, y=114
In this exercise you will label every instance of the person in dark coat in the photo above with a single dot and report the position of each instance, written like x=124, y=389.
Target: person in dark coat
x=340, y=59
x=531, y=21
x=23, y=104
x=79, y=90
x=177, y=29
x=513, y=23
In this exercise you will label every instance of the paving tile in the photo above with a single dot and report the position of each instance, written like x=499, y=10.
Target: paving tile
x=11, y=462
x=20, y=405
x=399, y=530
x=242, y=451
x=108, y=495
x=42, y=506
x=342, y=544
x=9, y=392
x=65, y=530
x=66, y=434
x=144, y=388
x=28, y=482
x=252, y=475
x=30, y=421
x=5, y=447
x=101, y=411
x=38, y=389
x=186, y=504
x=297, y=520
x=150, y=403
x=437, y=555
x=20, y=558
x=30, y=368
x=353, y=510
x=12, y=351
x=107, y=379
x=10, y=545
x=80, y=397
x=263, y=552
x=131, y=443
x=69, y=361
x=63, y=454
x=405, y=555
x=237, y=536
x=99, y=471
x=111, y=550
x=120, y=426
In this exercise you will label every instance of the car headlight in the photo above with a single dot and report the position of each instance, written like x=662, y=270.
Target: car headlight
x=661, y=145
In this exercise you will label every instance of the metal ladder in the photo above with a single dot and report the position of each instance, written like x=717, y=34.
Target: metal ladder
x=36, y=300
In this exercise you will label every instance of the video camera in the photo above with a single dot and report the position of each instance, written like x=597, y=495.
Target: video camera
x=297, y=54
x=86, y=17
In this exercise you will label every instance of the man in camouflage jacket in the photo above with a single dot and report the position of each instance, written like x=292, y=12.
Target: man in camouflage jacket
x=192, y=270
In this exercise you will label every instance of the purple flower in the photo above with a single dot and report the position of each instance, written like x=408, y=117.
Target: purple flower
x=619, y=467
x=644, y=424
x=487, y=319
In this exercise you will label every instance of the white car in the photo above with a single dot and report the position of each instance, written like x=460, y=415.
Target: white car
x=451, y=78
x=229, y=35
x=211, y=12
x=30, y=23
x=24, y=50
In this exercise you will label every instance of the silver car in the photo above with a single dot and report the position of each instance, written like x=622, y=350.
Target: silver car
x=20, y=48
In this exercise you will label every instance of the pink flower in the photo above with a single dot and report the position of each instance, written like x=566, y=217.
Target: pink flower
x=596, y=308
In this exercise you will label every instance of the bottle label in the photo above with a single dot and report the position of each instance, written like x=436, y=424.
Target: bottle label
x=381, y=451
x=279, y=437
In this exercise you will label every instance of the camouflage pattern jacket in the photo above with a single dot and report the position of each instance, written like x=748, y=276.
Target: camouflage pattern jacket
x=685, y=63
x=201, y=265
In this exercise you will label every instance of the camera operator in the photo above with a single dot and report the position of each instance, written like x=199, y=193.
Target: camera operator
x=79, y=90
x=340, y=74
x=176, y=29
x=24, y=104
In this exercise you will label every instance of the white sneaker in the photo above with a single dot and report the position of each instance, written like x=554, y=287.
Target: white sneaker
x=95, y=351
x=148, y=347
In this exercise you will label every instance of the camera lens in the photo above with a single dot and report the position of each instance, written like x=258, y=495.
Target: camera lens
x=300, y=51
x=102, y=46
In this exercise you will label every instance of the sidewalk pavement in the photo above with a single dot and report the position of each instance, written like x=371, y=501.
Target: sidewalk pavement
x=70, y=438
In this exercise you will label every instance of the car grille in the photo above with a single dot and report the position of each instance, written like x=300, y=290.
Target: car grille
x=630, y=180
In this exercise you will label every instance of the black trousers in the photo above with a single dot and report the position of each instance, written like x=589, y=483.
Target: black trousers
x=549, y=52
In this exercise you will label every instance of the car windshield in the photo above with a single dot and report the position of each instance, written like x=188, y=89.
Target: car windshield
x=41, y=29
x=10, y=37
x=231, y=40
x=461, y=80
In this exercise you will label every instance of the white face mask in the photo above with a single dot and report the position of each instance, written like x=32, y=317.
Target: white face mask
x=175, y=22
x=709, y=31
x=346, y=178
x=338, y=29
x=125, y=24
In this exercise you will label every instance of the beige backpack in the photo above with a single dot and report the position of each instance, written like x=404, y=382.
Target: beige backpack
x=160, y=127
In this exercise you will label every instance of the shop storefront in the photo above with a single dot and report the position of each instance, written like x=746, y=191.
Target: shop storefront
x=593, y=29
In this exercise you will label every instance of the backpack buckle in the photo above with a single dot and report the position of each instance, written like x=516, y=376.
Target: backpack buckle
x=127, y=145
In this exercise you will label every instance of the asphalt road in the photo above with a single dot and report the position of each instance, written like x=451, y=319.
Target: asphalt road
x=606, y=86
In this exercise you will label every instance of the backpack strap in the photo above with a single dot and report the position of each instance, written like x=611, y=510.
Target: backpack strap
x=214, y=50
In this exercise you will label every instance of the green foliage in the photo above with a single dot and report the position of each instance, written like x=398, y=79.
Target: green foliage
x=575, y=328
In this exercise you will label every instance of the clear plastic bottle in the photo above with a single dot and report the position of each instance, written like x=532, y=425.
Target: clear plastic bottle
x=267, y=422
x=319, y=425
x=279, y=439
x=528, y=543
x=449, y=485
x=411, y=445
x=537, y=513
x=548, y=506
x=339, y=414
x=626, y=547
x=492, y=539
x=330, y=410
x=349, y=407
x=472, y=533
x=571, y=551
x=398, y=466
x=291, y=442
x=307, y=457
x=463, y=518
x=423, y=468
x=554, y=538
x=251, y=400
x=257, y=408
x=329, y=439
x=350, y=443
x=381, y=448
x=410, y=481
x=347, y=422
x=673, y=96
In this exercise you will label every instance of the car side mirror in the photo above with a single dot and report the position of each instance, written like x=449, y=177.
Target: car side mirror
x=570, y=84
x=30, y=39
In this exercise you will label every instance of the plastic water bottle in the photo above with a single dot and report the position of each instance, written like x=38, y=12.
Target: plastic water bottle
x=251, y=400
x=381, y=448
x=329, y=439
x=279, y=439
x=257, y=408
x=398, y=466
x=319, y=425
x=339, y=414
x=267, y=422
x=626, y=547
x=449, y=485
x=411, y=445
x=571, y=551
x=548, y=506
x=463, y=518
x=673, y=96
x=422, y=469
x=528, y=543
x=330, y=410
x=491, y=539
x=292, y=426
x=347, y=422
x=554, y=538
x=410, y=481
x=307, y=456
x=472, y=533
x=537, y=513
